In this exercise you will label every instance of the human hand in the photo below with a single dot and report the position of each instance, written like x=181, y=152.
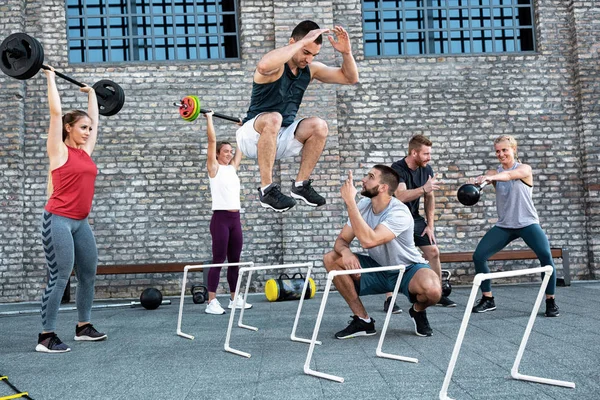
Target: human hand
x=314, y=34
x=350, y=261
x=208, y=114
x=49, y=72
x=86, y=89
x=342, y=44
x=348, y=190
x=431, y=185
x=429, y=231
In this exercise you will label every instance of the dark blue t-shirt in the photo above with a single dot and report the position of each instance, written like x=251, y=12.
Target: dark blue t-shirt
x=413, y=179
x=283, y=96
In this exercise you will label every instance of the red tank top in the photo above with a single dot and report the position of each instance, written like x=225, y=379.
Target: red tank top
x=73, y=186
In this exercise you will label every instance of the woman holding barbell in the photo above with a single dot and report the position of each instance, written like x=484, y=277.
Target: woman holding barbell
x=225, y=224
x=517, y=218
x=66, y=234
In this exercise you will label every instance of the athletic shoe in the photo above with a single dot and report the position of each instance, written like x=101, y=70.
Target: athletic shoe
x=214, y=307
x=87, y=332
x=275, y=200
x=386, y=306
x=551, y=308
x=485, y=304
x=240, y=304
x=357, y=327
x=419, y=318
x=446, y=302
x=51, y=344
x=307, y=194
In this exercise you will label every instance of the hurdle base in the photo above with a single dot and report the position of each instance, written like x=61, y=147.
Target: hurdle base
x=250, y=328
x=185, y=335
x=546, y=381
x=323, y=375
x=396, y=357
x=238, y=352
x=302, y=340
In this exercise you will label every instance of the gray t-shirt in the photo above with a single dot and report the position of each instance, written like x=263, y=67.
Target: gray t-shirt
x=514, y=203
x=398, y=219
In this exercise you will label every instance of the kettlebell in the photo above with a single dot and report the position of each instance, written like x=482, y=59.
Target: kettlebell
x=446, y=286
x=199, y=294
x=469, y=193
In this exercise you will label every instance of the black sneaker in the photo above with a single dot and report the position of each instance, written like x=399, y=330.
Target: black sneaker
x=50, y=343
x=357, y=327
x=386, y=306
x=446, y=302
x=422, y=327
x=307, y=194
x=551, y=308
x=88, y=333
x=275, y=200
x=485, y=304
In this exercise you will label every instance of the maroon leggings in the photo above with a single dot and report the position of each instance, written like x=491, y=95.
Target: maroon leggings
x=227, y=241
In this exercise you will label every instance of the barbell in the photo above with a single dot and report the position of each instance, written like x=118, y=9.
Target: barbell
x=189, y=109
x=469, y=193
x=22, y=56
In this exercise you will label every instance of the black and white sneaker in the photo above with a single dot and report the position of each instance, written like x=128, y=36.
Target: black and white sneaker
x=386, y=306
x=421, y=322
x=50, y=343
x=307, y=194
x=485, y=304
x=88, y=333
x=275, y=200
x=551, y=308
x=357, y=327
x=446, y=302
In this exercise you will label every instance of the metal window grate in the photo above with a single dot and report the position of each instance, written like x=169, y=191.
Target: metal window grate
x=151, y=30
x=420, y=27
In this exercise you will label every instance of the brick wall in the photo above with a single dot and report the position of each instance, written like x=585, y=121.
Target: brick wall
x=152, y=202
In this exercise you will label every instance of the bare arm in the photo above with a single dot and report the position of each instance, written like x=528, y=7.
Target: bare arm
x=407, y=195
x=347, y=74
x=342, y=248
x=212, y=166
x=94, y=115
x=56, y=149
x=523, y=171
x=270, y=67
x=237, y=158
x=367, y=236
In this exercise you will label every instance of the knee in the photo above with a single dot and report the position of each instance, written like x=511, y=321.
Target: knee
x=318, y=127
x=479, y=257
x=329, y=260
x=433, y=292
x=272, y=122
x=432, y=253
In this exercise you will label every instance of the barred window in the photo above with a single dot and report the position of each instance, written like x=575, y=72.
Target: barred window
x=151, y=30
x=419, y=27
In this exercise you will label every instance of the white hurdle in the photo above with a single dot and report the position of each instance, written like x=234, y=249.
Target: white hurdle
x=547, y=270
x=241, y=272
x=188, y=268
x=378, y=352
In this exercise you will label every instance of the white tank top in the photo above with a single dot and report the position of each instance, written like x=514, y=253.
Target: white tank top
x=225, y=189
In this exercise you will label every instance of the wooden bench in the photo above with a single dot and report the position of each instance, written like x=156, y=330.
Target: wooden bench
x=467, y=256
x=143, y=268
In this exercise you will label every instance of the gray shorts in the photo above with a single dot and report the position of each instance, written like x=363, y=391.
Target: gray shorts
x=287, y=144
x=384, y=281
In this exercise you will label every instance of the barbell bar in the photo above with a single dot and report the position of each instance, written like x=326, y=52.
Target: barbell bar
x=189, y=109
x=22, y=56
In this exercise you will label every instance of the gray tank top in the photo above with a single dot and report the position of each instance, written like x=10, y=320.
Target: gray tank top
x=514, y=204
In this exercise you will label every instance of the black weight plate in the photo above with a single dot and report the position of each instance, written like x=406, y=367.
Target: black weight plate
x=21, y=56
x=111, y=97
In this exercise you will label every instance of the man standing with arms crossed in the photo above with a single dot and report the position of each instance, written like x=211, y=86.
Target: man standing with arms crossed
x=416, y=181
x=270, y=131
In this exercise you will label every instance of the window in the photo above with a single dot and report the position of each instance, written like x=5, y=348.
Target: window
x=418, y=27
x=151, y=30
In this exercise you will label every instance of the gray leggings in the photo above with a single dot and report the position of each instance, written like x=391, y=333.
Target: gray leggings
x=67, y=242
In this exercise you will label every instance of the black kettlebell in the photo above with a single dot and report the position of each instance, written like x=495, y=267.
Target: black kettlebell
x=199, y=294
x=446, y=286
x=469, y=194
x=151, y=298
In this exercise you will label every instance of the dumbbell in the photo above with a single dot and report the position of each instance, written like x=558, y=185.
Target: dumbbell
x=22, y=56
x=469, y=193
x=189, y=109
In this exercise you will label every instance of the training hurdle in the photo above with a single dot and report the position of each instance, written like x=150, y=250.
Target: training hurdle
x=547, y=270
x=378, y=352
x=251, y=269
x=188, y=268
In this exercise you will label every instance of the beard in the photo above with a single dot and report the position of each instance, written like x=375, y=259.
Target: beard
x=370, y=193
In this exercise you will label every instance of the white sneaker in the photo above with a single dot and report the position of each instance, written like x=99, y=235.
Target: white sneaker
x=240, y=302
x=214, y=307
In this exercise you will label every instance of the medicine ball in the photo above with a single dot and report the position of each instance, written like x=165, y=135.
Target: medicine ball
x=151, y=298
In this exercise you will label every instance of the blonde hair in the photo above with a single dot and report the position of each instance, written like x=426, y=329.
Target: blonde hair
x=512, y=142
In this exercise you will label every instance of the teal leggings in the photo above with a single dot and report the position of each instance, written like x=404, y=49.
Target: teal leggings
x=498, y=238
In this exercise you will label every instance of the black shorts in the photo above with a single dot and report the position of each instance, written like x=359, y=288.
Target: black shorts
x=420, y=225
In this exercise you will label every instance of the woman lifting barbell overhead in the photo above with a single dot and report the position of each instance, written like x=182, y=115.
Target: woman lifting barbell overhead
x=66, y=234
x=517, y=218
x=225, y=224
